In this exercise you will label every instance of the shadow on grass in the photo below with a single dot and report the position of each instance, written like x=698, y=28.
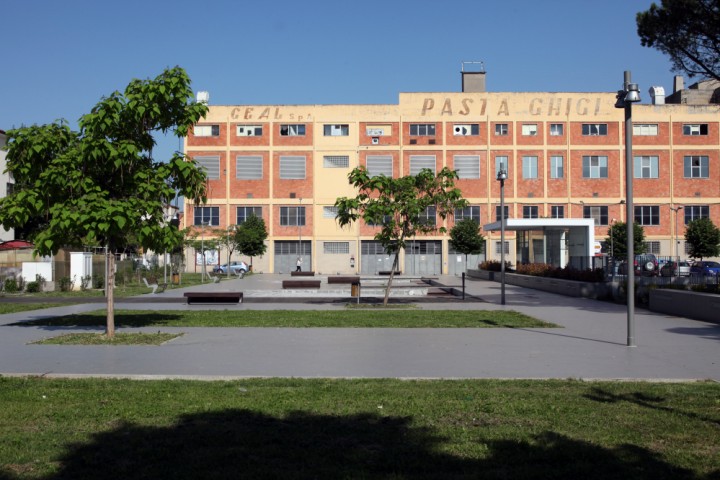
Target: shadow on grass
x=643, y=400
x=245, y=444
x=98, y=320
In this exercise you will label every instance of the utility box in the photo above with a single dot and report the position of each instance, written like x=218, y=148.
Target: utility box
x=80, y=268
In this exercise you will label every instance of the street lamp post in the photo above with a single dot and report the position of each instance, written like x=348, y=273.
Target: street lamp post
x=230, y=227
x=625, y=98
x=501, y=177
x=202, y=248
x=674, y=232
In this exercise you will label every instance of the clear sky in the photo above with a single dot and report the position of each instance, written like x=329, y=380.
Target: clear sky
x=60, y=58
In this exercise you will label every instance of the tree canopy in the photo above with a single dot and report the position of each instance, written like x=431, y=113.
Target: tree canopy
x=102, y=186
x=617, y=239
x=703, y=238
x=251, y=236
x=466, y=238
x=400, y=207
x=688, y=31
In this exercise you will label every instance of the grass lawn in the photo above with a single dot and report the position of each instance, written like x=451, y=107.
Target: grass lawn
x=302, y=318
x=390, y=429
x=101, y=339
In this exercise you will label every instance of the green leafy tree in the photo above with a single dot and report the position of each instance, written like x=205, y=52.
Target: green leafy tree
x=688, y=31
x=465, y=238
x=398, y=205
x=617, y=237
x=101, y=185
x=251, y=237
x=226, y=240
x=703, y=238
x=204, y=241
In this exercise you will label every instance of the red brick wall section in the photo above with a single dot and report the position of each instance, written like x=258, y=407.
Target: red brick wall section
x=243, y=188
x=393, y=139
x=220, y=140
x=292, y=231
x=471, y=188
x=293, y=141
x=422, y=140
x=301, y=188
x=452, y=139
x=604, y=187
x=253, y=141
x=521, y=139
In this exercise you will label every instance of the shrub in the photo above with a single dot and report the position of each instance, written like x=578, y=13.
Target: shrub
x=98, y=281
x=11, y=285
x=85, y=282
x=494, y=266
x=33, y=287
x=65, y=284
x=568, y=273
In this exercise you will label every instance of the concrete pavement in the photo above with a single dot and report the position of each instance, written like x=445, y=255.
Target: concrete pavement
x=590, y=345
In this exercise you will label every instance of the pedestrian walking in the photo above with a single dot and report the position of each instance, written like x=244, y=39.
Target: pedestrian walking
x=299, y=265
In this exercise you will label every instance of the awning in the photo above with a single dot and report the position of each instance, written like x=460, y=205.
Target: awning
x=15, y=245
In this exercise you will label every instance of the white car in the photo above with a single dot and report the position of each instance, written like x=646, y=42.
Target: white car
x=236, y=268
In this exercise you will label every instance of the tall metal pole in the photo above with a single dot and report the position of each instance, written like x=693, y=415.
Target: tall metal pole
x=674, y=233
x=629, y=214
x=299, y=229
x=501, y=176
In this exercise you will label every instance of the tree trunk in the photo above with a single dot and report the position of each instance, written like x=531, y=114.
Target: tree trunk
x=392, y=275
x=110, y=295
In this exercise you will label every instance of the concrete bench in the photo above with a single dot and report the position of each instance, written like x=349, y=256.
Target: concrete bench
x=302, y=274
x=213, y=297
x=156, y=287
x=344, y=279
x=301, y=284
x=387, y=272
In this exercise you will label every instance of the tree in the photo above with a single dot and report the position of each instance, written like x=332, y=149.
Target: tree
x=251, y=237
x=465, y=238
x=398, y=206
x=688, y=31
x=203, y=241
x=101, y=185
x=703, y=238
x=226, y=239
x=617, y=237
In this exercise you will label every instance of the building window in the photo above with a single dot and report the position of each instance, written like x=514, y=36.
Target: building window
x=421, y=162
x=292, y=216
x=248, y=167
x=466, y=130
x=336, y=161
x=211, y=165
x=467, y=166
x=498, y=249
x=422, y=129
x=249, y=130
x=336, y=130
x=497, y=213
x=380, y=165
x=386, y=219
x=501, y=163
x=330, y=211
x=530, y=167
x=501, y=129
x=645, y=129
x=428, y=216
x=292, y=130
x=556, y=129
x=472, y=212
x=647, y=215
x=243, y=213
x=557, y=211
x=9, y=189
x=292, y=167
x=206, y=216
x=697, y=166
x=530, y=211
x=594, y=129
x=646, y=166
x=207, y=130
x=529, y=129
x=599, y=214
x=652, y=247
x=693, y=129
x=595, y=166
x=334, y=248
x=557, y=166
x=695, y=212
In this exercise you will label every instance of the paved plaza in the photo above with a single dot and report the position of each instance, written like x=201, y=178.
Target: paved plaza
x=590, y=345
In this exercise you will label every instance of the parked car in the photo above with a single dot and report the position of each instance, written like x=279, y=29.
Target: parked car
x=705, y=269
x=646, y=264
x=675, y=269
x=236, y=268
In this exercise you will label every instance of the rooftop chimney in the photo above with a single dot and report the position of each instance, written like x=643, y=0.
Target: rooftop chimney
x=678, y=83
x=658, y=95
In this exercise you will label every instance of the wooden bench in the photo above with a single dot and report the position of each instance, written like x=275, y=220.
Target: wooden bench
x=387, y=272
x=301, y=284
x=344, y=279
x=156, y=287
x=302, y=274
x=213, y=297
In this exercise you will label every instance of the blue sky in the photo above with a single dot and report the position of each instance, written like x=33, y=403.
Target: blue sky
x=60, y=58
